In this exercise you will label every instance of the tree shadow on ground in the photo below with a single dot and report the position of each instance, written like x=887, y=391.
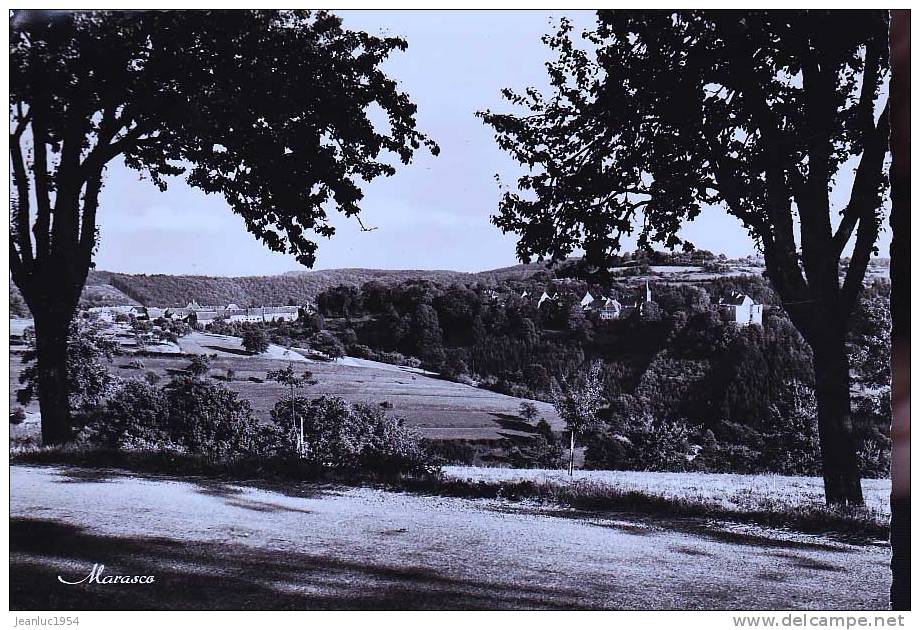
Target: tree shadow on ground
x=702, y=527
x=236, y=351
x=513, y=423
x=220, y=576
x=211, y=486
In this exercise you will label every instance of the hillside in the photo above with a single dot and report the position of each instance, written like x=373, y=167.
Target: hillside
x=299, y=287
x=294, y=287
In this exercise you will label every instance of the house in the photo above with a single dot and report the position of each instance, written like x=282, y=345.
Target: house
x=610, y=309
x=741, y=309
x=587, y=300
x=543, y=298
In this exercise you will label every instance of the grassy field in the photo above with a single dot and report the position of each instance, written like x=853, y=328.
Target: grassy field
x=439, y=409
x=729, y=491
x=776, y=501
x=214, y=544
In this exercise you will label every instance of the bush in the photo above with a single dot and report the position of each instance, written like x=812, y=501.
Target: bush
x=135, y=365
x=328, y=344
x=643, y=442
x=89, y=380
x=354, y=437
x=208, y=419
x=528, y=411
x=187, y=415
x=17, y=415
x=133, y=419
x=199, y=365
x=151, y=377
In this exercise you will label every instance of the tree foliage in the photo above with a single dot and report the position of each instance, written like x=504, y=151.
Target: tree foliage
x=89, y=380
x=654, y=115
x=270, y=109
x=283, y=113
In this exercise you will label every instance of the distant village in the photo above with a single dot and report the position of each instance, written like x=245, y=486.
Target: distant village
x=195, y=314
x=737, y=308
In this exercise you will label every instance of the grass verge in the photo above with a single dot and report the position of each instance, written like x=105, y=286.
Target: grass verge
x=742, y=507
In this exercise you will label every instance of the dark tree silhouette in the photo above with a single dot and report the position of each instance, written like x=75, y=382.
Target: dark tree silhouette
x=271, y=109
x=654, y=114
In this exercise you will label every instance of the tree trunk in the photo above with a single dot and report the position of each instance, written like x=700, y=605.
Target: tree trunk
x=571, y=453
x=900, y=309
x=53, y=387
x=835, y=423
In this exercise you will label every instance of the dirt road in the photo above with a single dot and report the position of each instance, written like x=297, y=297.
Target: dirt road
x=212, y=545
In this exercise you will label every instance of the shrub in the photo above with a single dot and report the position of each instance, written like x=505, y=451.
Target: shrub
x=88, y=378
x=643, y=442
x=17, y=415
x=187, y=415
x=199, y=365
x=136, y=364
x=131, y=419
x=208, y=418
x=328, y=344
x=454, y=367
x=255, y=341
x=528, y=411
x=354, y=437
x=151, y=377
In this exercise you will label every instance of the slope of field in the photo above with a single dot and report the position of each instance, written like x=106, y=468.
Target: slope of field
x=215, y=545
x=440, y=409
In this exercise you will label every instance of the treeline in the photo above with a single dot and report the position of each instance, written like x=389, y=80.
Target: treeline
x=294, y=288
x=110, y=288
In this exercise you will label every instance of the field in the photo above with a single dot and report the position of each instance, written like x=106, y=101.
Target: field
x=728, y=493
x=440, y=409
x=218, y=545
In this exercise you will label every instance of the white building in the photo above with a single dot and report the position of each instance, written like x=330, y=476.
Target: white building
x=610, y=309
x=741, y=309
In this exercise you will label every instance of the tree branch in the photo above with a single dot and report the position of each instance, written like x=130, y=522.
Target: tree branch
x=865, y=202
x=88, y=220
x=866, y=236
x=819, y=88
x=42, y=226
x=21, y=217
x=864, y=195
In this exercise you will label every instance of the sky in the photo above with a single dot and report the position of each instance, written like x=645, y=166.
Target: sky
x=433, y=214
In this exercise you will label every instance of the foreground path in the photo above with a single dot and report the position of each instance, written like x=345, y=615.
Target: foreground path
x=214, y=545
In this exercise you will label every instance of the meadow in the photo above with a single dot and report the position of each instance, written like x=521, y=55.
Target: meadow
x=438, y=408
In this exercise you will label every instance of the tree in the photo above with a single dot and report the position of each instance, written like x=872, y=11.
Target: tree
x=327, y=343
x=255, y=341
x=528, y=411
x=289, y=378
x=577, y=401
x=757, y=112
x=199, y=365
x=271, y=109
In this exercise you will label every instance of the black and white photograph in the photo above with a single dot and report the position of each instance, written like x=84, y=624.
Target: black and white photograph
x=459, y=310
